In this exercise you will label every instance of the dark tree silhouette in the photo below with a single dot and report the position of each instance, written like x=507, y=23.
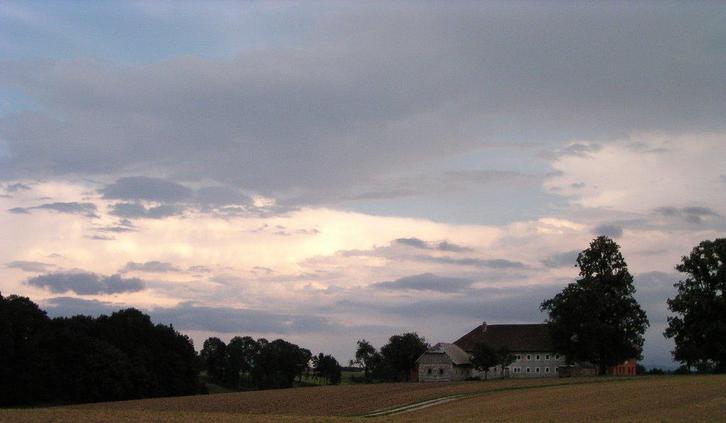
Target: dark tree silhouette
x=22, y=362
x=83, y=359
x=699, y=326
x=401, y=353
x=327, y=368
x=214, y=357
x=596, y=318
x=484, y=358
x=277, y=364
x=365, y=356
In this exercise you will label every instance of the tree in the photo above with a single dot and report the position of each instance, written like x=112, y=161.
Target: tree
x=484, y=357
x=401, y=353
x=22, y=361
x=596, y=318
x=699, y=326
x=214, y=357
x=278, y=363
x=364, y=356
x=327, y=368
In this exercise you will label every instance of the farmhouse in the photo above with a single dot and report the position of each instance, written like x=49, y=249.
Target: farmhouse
x=443, y=363
x=530, y=344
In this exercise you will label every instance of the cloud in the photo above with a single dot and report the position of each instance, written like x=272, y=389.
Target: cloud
x=30, y=266
x=441, y=246
x=149, y=266
x=17, y=187
x=19, y=210
x=512, y=304
x=426, y=282
x=85, y=209
x=612, y=231
x=135, y=188
x=85, y=283
x=191, y=316
x=689, y=214
x=475, y=262
x=342, y=108
x=413, y=242
x=566, y=258
x=139, y=211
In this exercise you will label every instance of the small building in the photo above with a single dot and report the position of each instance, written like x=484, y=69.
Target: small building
x=578, y=369
x=530, y=344
x=443, y=363
x=626, y=368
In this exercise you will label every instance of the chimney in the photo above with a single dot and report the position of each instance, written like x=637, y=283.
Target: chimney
x=483, y=327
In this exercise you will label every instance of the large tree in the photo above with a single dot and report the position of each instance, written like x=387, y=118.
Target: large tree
x=484, y=358
x=402, y=351
x=597, y=318
x=214, y=357
x=365, y=355
x=699, y=327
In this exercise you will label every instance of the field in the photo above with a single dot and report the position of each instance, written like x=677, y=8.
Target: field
x=633, y=399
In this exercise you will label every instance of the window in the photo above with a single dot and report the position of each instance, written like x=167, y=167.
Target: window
x=536, y=357
x=441, y=371
x=557, y=356
x=547, y=369
x=547, y=356
x=519, y=356
x=529, y=357
x=528, y=370
x=428, y=370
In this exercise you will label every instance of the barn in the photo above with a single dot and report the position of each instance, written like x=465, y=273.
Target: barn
x=531, y=345
x=443, y=363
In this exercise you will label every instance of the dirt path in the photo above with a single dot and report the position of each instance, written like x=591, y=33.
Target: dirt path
x=416, y=406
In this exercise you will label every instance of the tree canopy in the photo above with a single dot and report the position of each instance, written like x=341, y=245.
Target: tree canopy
x=401, y=353
x=85, y=359
x=597, y=318
x=699, y=326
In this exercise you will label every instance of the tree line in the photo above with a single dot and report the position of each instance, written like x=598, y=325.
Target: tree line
x=396, y=360
x=246, y=363
x=86, y=359
x=126, y=356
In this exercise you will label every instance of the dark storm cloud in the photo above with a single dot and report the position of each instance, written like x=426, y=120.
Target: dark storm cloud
x=30, y=266
x=85, y=283
x=149, y=266
x=426, y=282
x=136, y=188
x=566, y=258
x=609, y=230
x=369, y=90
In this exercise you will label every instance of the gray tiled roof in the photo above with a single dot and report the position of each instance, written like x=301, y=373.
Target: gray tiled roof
x=456, y=354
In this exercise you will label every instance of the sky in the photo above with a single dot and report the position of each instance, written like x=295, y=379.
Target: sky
x=331, y=171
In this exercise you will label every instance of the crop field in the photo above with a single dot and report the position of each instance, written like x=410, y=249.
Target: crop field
x=638, y=398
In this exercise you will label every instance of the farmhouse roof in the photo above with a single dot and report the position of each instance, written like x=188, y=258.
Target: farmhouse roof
x=456, y=354
x=526, y=337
